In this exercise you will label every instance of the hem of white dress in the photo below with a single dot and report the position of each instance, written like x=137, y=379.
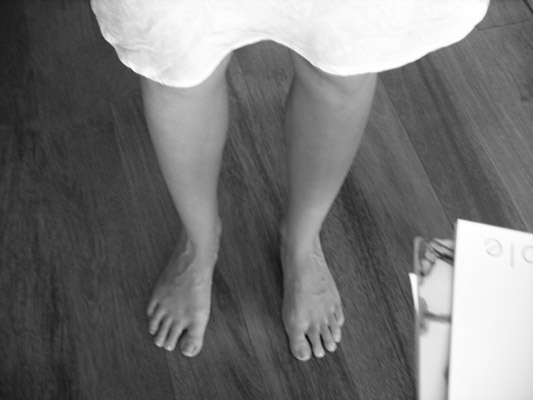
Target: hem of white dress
x=397, y=62
x=456, y=36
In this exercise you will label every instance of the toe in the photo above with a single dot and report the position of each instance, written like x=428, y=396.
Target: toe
x=335, y=329
x=155, y=320
x=175, y=331
x=193, y=340
x=314, y=337
x=327, y=338
x=163, y=332
x=339, y=315
x=299, y=346
x=152, y=304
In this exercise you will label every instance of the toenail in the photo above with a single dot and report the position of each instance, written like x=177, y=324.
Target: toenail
x=169, y=347
x=188, y=350
x=320, y=354
x=332, y=347
x=303, y=355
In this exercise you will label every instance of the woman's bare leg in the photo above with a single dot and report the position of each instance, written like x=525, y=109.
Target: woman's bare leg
x=325, y=120
x=188, y=129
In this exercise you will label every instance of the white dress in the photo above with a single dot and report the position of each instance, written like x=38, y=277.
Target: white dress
x=180, y=42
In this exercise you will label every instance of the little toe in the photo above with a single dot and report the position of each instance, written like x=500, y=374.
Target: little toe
x=163, y=332
x=175, y=331
x=339, y=315
x=300, y=346
x=335, y=329
x=151, y=307
x=193, y=340
x=327, y=339
x=316, y=343
x=155, y=320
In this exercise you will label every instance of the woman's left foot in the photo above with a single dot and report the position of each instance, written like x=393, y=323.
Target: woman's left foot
x=312, y=311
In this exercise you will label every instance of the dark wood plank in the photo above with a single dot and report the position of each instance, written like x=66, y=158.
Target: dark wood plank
x=504, y=59
x=66, y=230
x=472, y=134
x=506, y=12
x=464, y=179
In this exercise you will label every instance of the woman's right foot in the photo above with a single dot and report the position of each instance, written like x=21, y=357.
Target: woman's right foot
x=180, y=304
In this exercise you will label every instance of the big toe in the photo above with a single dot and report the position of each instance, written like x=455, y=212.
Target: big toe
x=300, y=346
x=193, y=340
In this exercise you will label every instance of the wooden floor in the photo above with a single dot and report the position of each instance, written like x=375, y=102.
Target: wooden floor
x=86, y=221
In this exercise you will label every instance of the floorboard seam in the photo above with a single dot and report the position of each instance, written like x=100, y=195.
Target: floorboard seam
x=490, y=28
x=422, y=166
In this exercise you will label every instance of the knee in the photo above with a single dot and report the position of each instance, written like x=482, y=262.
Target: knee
x=335, y=88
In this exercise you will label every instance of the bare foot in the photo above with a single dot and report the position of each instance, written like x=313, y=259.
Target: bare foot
x=312, y=310
x=181, y=299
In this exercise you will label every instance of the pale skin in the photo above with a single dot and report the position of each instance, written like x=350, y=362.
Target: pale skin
x=325, y=120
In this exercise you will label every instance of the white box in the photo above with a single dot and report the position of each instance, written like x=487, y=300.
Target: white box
x=492, y=315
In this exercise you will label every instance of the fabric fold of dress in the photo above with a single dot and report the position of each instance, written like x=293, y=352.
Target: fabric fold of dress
x=181, y=42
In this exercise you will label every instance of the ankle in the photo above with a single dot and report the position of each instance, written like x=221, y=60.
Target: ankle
x=294, y=244
x=295, y=233
x=205, y=240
